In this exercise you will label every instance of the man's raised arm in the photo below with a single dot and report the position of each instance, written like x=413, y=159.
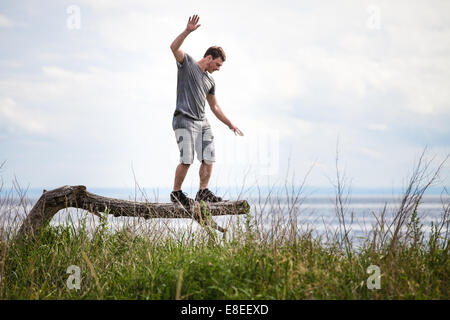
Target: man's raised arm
x=176, y=44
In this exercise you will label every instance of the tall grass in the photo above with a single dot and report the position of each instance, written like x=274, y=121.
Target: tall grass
x=268, y=254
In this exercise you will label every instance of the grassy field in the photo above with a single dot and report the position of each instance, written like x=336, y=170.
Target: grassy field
x=202, y=265
x=248, y=262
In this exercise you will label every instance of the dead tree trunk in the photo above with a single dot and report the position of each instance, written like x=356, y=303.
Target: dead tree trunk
x=77, y=197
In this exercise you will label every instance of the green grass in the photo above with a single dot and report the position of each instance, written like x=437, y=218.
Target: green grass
x=250, y=262
x=197, y=265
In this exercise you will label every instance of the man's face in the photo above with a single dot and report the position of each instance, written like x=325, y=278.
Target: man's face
x=214, y=65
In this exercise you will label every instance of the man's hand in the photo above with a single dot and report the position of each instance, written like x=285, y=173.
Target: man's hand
x=176, y=44
x=236, y=130
x=192, y=23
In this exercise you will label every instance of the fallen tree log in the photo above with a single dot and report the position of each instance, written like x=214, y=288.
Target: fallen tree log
x=52, y=201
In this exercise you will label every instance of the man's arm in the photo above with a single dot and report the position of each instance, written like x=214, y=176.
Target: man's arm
x=212, y=101
x=176, y=44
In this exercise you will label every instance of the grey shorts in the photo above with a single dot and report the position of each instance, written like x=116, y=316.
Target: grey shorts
x=193, y=135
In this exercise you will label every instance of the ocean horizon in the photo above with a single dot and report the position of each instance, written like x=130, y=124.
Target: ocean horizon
x=162, y=193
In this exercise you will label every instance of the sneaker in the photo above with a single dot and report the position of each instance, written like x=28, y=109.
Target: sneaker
x=207, y=195
x=180, y=197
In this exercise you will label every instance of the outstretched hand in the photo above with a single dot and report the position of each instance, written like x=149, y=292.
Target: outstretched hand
x=192, y=23
x=237, y=131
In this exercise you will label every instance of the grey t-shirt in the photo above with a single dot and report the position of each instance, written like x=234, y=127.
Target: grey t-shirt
x=192, y=88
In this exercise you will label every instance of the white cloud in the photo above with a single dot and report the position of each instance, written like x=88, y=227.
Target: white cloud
x=16, y=117
x=378, y=126
x=372, y=153
x=5, y=22
x=118, y=4
x=139, y=31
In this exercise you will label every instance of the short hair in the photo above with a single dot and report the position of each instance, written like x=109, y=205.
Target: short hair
x=215, y=52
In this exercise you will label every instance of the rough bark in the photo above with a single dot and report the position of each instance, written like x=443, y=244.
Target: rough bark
x=77, y=197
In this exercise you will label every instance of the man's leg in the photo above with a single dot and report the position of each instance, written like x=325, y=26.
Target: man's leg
x=206, y=154
x=185, y=136
x=180, y=174
x=205, y=174
x=204, y=193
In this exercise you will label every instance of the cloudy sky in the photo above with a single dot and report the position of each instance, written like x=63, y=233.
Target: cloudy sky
x=87, y=90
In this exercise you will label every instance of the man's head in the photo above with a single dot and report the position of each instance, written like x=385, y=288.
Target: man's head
x=215, y=58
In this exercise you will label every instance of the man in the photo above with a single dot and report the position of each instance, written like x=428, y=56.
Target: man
x=192, y=130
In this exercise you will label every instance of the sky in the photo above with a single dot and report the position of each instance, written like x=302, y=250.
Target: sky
x=88, y=91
